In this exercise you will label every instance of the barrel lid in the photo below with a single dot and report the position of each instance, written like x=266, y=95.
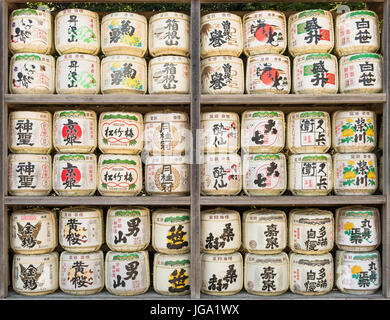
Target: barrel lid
x=37, y=257
x=266, y=258
x=169, y=14
x=79, y=255
x=308, y=114
x=74, y=113
x=219, y=15
x=29, y=12
x=361, y=256
x=169, y=59
x=77, y=11
x=132, y=116
x=356, y=210
x=256, y=14
x=264, y=157
x=269, y=56
x=119, y=159
x=262, y=114
x=126, y=256
x=22, y=212
x=220, y=210
x=32, y=56
x=311, y=259
x=83, y=209
x=315, y=57
x=266, y=212
x=29, y=114
x=226, y=116
x=221, y=59
x=74, y=157
x=29, y=157
x=358, y=14
x=167, y=160
x=354, y=156
x=171, y=211
x=78, y=56
x=173, y=259
x=309, y=13
x=219, y=158
x=312, y=157
x=311, y=212
x=124, y=58
x=127, y=211
x=166, y=116
x=211, y=257
x=124, y=15
x=361, y=56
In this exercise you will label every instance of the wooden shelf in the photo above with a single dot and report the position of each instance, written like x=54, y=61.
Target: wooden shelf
x=260, y=99
x=291, y=201
x=98, y=201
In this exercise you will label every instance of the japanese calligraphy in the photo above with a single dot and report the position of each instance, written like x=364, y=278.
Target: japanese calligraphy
x=367, y=77
x=271, y=236
x=73, y=234
x=133, y=228
x=271, y=76
x=219, y=37
x=176, y=238
x=166, y=178
x=24, y=128
x=79, y=275
x=71, y=132
x=72, y=74
x=264, y=32
x=125, y=72
x=171, y=36
x=72, y=28
x=268, y=279
x=70, y=176
x=28, y=234
x=313, y=31
x=30, y=276
x=363, y=35
x=260, y=136
x=121, y=30
x=271, y=171
x=26, y=175
x=315, y=240
x=220, y=80
x=223, y=284
x=166, y=136
x=219, y=242
x=23, y=30
x=169, y=78
x=319, y=73
x=314, y=175
x=365, y=278
x=312, y=132
x=25, y=76
x=178, y=280
x=315, y=281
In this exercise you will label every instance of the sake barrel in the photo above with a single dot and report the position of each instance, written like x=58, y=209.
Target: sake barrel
x=77, y=31
x=81, y=273
x=171, y=230
x=30, y=30
x=35, y=274
x=315, y=73
x=308, y=132
x=119, y=175
x=74, y=174
x=380, y=171
x=354, y=131
x=264, y=32
x=311, y=231
x=358, y=228
x=264, y=231
x=268, y=74
x=29, y=174
x=127, y=274
x=166, y=133
x=220, y=231
x=124, y=33
x=310, y=174
x=221, y=274
x=310, y=31
x=380, y=139
x=171, y=274
x=31, y=73
x=33, y=231
x=169, y=75
x=221, y=34
x=361, y=73
x=262, y=131
x=75, y=131
x=78, y=74
x=169, y=34
x=355, y=173
x=30, y=132
x=81, y=229
x=358, y=273
x=124, y=74
x=220, y=132
x=128, y=228
x=266, y=275
x=264, y=174
x=222, y=75
x=356, y=32
x=220, y=174
x=311, y=275
x=121, y=132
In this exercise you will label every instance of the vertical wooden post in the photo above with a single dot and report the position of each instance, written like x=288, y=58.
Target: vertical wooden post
x=195, y=126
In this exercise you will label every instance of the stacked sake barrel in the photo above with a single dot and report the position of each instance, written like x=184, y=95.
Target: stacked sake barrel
x=265, y=40
x=221, y=44
x=124, y=44
x=221, y=262
x=169, y=46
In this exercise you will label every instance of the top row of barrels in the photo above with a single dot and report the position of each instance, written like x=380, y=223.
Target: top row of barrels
x=125, y=33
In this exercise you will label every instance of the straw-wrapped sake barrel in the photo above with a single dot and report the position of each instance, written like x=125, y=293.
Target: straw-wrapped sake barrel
x=77, y=31
x=315, y=73
x=361, y=73
x=358, y=273
x=78, y=74
x=221, y=274
x=220, y=132
x=29, y=174
x=264, y=174
x=124, y=33
x=30, y=30
x=124, y=74
x=74, y=174
x=33, y=231
x=221, y=34
x=220, y=231
x=310, y=174
x=30, y=132
x=354, y=131
x=81, y=273
x=311, y=231
x=358, y=228
x=264, y=231
x=264, y=32
x=169, y=75
x=268, y=74
x=169, y=34
x=75, y=131
x=81, y=229
x=308, y=132
x=355, y=173
x=127, y=274
x=222, y=75
x=121, y=132
x=262, y=131
x=35, y=274
x=310, y=31
x=32, y=73
x=128, y=228
x=357, y=32
x=171, y=274
x=266, y=275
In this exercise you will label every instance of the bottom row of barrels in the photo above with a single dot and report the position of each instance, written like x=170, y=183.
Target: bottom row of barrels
x=221, y=274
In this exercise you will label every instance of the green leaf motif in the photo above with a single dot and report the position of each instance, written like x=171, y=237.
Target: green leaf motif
x=116, y=161
x=119, y=116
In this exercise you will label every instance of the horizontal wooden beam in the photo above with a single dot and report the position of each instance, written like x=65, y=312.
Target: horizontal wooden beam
x=243, y=1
